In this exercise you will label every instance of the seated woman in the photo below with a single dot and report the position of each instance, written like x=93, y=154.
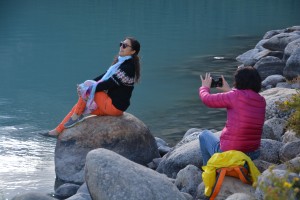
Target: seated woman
x=110, y=93
x=245, y=114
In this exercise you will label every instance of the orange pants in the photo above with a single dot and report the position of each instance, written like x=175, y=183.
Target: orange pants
x=105, y=107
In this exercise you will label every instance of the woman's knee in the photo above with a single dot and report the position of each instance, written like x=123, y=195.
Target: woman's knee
x=204, y=134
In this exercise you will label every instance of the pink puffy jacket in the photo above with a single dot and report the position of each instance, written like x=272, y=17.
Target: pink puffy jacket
x=245, y=117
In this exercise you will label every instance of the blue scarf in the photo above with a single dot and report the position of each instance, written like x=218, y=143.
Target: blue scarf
x=112, y=69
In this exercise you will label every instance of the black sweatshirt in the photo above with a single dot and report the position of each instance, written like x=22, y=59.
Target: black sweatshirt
x=119, y=86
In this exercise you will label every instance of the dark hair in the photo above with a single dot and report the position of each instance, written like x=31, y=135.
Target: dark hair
x=247, y=78
x=135, y=45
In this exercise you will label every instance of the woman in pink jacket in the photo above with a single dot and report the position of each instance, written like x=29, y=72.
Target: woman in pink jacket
x=245, y=114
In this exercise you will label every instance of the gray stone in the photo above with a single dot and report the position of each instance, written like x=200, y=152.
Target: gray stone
x=154, y=163
x=66, y=190
x=266, y=52
x=164, y=150
x=269, y=150
x=277, y=126
x=192, y=131
x=187, y=196
x=280, y=41
x=110, y=176
x=33, y=196
x=277, y=54
x=267, y=132
x=291, y=48
x=125, y=135
x=248, y=58
x=259, y=45
x=292, y=69
x=82, y=194
x=200, y=192
x=290, y=136
x=240, y=196
x=193, y=134
x=262, y=165
x=160, y=142
x=188, y=138
x=273, y=96
x=292, y=29
x=179, y=158
x=271, y=33
x=272, y=80
x=269, y=65
x=188, y=179
x=289, y=150
x=295, y=85
x=284, y=85
x=162, y=145
x=268, y=87
x=292, y=165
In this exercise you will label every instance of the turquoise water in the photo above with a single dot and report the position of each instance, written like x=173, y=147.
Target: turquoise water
x=47, y=47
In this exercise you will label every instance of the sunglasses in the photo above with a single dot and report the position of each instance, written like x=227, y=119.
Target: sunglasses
x=124, y=45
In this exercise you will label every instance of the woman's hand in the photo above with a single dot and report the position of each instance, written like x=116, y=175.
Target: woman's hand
x=225, y=87
x=206, y=82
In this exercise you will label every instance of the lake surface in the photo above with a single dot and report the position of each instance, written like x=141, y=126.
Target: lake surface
x=47, y=47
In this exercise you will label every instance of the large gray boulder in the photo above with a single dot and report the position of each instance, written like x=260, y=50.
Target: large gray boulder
x=259, y=45
x=252, y=56
x=280, y=41
x=110, y=176
x=269, y=65
x=190, y=135
x=274, y=129
x=262, y=165
x=66, y=190
x=269, y=150
x=188, y=179
x=272, y=80
x=179, y=158
x=289, y=151
x=271, y=33
x=273, y=96
x=125, y=135
x=292, y=29
x=291, y=48
x=292, y=68
x=248, y=58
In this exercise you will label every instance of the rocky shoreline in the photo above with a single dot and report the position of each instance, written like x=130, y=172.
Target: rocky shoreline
x=118, y=158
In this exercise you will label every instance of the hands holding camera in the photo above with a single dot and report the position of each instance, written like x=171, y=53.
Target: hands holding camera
x=220, y=84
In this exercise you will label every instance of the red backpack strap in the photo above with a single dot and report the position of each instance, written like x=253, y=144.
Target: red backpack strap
x=218, y=184
x=243, y=174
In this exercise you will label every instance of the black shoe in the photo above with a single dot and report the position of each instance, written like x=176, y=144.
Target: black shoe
x=46, y=134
